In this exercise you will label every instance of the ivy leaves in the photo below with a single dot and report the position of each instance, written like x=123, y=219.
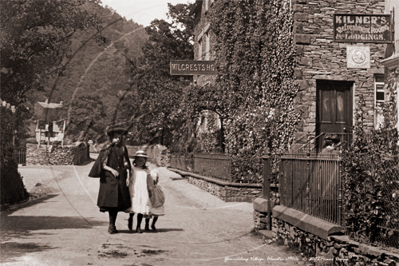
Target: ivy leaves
x=370, y=174
x=255, y=61
x=254, y=90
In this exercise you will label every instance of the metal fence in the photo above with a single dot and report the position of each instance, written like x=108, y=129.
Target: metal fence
x=312, y=184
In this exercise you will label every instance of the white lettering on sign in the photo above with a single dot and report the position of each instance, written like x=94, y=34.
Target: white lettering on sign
x=193, y=67
x=366, y=28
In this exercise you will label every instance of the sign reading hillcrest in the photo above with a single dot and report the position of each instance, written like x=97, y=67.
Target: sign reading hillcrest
x=362, y=28
x=192, y=67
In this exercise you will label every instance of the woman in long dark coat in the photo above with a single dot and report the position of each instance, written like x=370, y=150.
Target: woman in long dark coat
x=112, y=165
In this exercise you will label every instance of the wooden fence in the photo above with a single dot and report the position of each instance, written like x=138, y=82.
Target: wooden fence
x=211, y=165
x=312, y=184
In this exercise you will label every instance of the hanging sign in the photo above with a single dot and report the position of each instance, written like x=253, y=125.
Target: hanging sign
x=362, y=28
x=192, y=67
x=358, y=56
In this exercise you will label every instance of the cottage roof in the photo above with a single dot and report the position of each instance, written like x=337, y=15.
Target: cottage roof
x=51, y=105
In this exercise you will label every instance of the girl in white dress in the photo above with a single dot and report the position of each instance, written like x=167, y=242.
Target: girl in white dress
x=157, y=209
x=140, y=186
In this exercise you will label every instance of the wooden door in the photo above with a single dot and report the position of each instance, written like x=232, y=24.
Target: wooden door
x=334, y=113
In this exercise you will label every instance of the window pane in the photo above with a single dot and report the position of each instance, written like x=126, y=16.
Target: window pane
x=340, y=107
x=200, y=50
x=326, y=106
x=380, y=96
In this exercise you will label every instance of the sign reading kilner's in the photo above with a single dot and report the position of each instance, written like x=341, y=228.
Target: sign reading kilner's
x=191, y=67
x=362, y=28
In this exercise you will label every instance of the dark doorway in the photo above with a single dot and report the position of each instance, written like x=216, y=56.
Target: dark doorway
x=334, y=114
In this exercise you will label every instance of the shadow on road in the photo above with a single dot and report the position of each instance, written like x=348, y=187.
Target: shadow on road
x=23, y=224
x=11, y=250
x=163, y=230
x=159, y=230
x=30, y=203
x=89, y=161
x=15, y=226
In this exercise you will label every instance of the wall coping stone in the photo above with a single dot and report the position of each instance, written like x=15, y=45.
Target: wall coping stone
x=306, y=222
x=217, y=181
x=260, y=205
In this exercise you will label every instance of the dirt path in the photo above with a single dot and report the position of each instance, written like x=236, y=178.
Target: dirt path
x=66, y=228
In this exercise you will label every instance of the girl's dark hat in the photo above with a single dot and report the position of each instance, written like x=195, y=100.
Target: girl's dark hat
x=141, y=154
x=117, y=130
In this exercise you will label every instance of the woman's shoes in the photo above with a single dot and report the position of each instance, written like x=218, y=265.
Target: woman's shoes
x=138, y=230
x=112, y=230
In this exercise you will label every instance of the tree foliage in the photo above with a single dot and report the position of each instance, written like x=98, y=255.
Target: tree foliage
x=35, y=38
x=370, y=174
x=153, y=90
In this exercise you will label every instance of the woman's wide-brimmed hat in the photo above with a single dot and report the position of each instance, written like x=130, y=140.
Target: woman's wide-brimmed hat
x=116, y=129
x=141, y=154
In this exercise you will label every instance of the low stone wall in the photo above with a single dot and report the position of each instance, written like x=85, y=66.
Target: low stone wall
x=261, y=221
x=227, y=193
x=335, y=250
x=57, y=155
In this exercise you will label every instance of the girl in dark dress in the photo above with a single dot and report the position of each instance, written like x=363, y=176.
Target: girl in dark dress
x=112, y=165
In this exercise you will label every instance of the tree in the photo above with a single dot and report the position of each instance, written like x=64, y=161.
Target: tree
x=154, y=91
x=35, y=38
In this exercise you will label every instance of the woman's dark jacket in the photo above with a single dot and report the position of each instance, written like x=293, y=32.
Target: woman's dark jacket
x=113, y=190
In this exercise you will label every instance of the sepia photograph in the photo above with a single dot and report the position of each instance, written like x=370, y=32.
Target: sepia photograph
x=199, y=132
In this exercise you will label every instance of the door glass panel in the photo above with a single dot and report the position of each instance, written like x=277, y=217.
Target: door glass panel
x=340, y=107
x=326, y=108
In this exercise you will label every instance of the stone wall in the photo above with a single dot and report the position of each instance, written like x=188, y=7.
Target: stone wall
x=335, y=250
x=320, y=58
x=57, y=155
x=230, y=193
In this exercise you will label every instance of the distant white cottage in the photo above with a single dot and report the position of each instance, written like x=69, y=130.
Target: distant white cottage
x=53, y=131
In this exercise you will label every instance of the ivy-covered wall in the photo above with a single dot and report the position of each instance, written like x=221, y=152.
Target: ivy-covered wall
x=320, y=58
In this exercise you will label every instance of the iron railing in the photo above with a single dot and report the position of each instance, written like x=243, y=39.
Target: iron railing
x=312, y=184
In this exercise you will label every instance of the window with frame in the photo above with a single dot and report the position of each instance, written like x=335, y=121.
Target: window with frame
x=207, y=46
x=379, y=99
x=200, y=49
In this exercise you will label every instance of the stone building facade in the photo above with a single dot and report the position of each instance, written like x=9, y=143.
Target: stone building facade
x=329, y=90
x=204, y=38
